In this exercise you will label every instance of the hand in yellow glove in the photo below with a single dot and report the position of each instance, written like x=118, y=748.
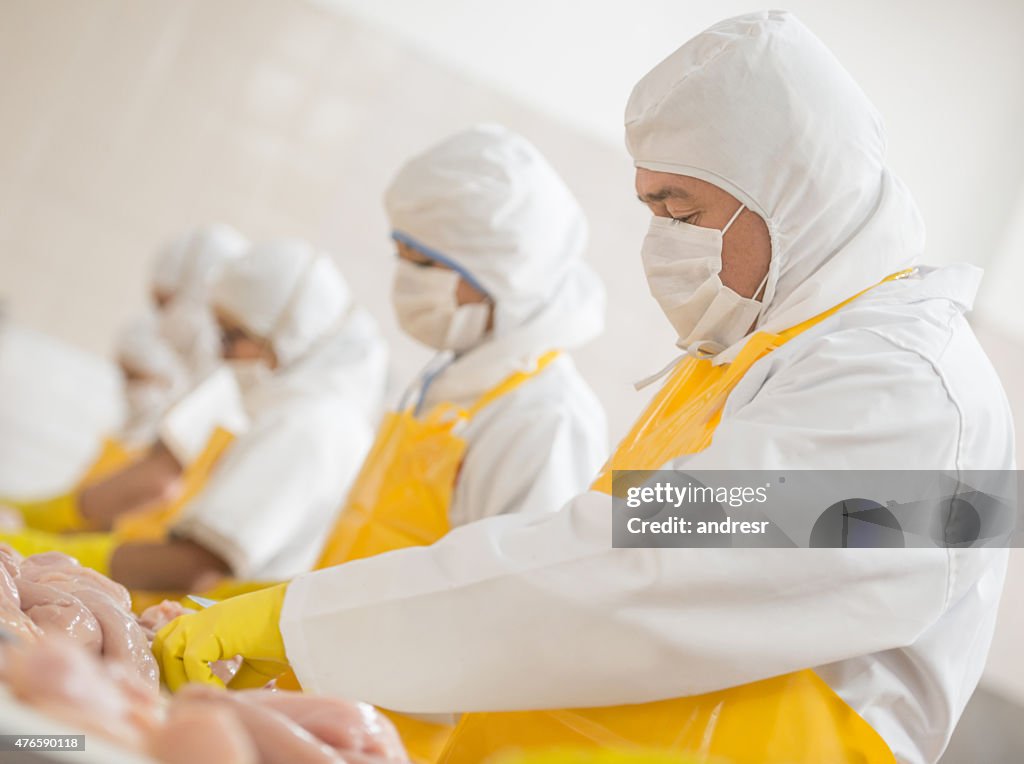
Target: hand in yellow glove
x=245, y=625
x=93, y=550
x=56, y=515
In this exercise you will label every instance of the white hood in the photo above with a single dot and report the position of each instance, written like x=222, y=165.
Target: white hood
x=350, y=363
x=142, y=348
x=188, y=265
x=758, y=106
x=285, y=292
x=488, y=204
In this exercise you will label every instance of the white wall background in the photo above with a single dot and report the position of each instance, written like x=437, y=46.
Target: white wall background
x=948, y=78
x=123, y=121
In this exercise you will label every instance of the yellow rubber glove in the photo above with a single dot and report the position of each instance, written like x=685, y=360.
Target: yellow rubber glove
x=245, y=625
x=93, y=550
x=56, y=515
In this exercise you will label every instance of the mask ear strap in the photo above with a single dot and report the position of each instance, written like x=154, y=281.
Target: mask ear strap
x=732, y=220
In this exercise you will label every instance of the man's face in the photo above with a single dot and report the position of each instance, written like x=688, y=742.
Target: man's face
x=746, y=248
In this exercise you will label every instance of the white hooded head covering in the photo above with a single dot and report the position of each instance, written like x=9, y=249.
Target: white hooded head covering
x=758, y=106
x=191, y=263
x=189, y=327
x=286, y=293
x=486, y=203
x=142, y=349
x=186, y=269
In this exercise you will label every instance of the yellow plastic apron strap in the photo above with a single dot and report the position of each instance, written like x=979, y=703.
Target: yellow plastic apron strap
x=511, y=382
x=152, y=524
x=402, y=494
x=790, y=719
x=113, y=456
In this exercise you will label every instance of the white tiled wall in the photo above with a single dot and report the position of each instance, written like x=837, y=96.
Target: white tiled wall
x=122, y=121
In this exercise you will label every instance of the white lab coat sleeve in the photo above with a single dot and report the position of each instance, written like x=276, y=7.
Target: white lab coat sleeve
x=277, y=484
x=530, y=611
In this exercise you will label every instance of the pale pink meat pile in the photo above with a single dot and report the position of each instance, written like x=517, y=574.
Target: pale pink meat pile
x=281, y=727
x=58, y=597
x=72, y=649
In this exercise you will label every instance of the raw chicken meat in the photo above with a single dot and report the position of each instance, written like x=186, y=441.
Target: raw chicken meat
x=278, y=739
x=154, y=618
x=123, y=638
x=58, y=613
x=64, y=573
x=72, y=615
x=12, y=619
x=62, y=597
x=343, y=725
x=63, y=680
x=200, y=732
x=10, y=560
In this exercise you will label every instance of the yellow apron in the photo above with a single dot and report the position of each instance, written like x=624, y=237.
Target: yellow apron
x=790, y=719
x=400, y=499
x=113, y=456
x=59, y=514
x=151, y=525
x=403, y=492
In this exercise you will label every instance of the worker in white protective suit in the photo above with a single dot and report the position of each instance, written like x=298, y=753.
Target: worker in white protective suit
x=161, y=355
x=183, y=273
x=311, y=369
x=154, y=376
x=784, y=252
x=490, y=274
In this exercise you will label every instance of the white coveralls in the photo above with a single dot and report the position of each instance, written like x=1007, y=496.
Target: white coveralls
x=487, y=203
x=273, y=497
x=537, y=611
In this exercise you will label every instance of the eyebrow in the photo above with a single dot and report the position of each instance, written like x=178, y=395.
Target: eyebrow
x=663, y=194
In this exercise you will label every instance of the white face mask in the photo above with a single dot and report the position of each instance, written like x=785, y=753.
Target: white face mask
x=682, y=263
x=249, y=373
x=428, y=310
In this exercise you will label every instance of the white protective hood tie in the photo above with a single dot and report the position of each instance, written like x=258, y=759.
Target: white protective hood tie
x=486, y=203
x=759, y=107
